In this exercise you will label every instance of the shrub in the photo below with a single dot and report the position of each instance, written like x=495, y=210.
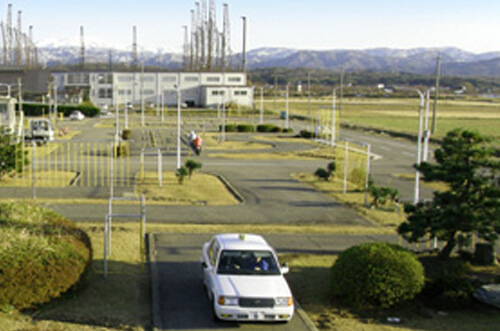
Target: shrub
x=122, y=150
x=181, y=173
x=35, y=109
x=126, y=134
x=306, y=134
x=191, y=166
x=265, y=127
x=229, y=128
x=42, y=255
x=382, y=194
x=377, y=274
x=322, y=174
x=245, y=128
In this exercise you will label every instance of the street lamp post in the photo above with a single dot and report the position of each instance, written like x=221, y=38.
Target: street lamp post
x=287, y=115
x=179, y=125
x=261, y=105
x=333, y=129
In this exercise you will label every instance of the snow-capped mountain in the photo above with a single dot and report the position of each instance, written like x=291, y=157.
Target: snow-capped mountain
x=418, y=60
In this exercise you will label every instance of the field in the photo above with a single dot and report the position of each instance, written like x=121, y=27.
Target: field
x=401, y=115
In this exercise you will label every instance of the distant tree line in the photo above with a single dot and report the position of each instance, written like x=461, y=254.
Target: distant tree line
x=322, y=80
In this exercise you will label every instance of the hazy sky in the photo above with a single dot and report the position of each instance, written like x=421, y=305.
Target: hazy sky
x=473, y=25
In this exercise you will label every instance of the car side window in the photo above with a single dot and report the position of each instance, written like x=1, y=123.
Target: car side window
x=213, y=250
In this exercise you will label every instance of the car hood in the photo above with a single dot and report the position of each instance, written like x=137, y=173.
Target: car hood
x=253, y=286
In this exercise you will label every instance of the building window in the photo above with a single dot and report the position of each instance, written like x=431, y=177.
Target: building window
x=217, y=92
x=124, y=92
x=124, y=79
x=170, y=79
x=148, y=92
x=105, y=93
x=213, y=79
x=240, y=92
x=191, y=79
x=78, y=79
x=148, y=79
x=234, y=79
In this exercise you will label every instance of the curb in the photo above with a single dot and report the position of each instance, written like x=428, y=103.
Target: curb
x=230, y=188
x=301, y=312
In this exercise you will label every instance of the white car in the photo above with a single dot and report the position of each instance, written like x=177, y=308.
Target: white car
x=244, y=280
x=76, y=116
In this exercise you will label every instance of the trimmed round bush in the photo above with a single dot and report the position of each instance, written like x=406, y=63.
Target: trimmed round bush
x=377, y=274
x=42, y=255
x=245, y=128
x=265, y=127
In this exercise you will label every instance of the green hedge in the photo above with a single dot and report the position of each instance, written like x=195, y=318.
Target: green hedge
x=38, y=109
x=377, y=274
x=42, y=255
x=245, y=128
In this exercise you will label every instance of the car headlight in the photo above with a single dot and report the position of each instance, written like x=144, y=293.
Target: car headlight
x=227, y=301
x=284, y=302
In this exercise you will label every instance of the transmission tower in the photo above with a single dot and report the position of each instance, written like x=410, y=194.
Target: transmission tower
x=227, y=55
x=211, y=33
x=19, y=42
x=4, y=44
x=192, y=47
x=9, y=35
x=82, y=47
x=135, y=55
x=203, y=33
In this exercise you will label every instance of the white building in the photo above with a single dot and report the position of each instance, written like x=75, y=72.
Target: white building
x=205, y=89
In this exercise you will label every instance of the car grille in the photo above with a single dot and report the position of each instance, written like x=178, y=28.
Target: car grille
x=256, y=302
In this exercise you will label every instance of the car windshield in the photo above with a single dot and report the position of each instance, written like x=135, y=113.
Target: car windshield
x=233, y=262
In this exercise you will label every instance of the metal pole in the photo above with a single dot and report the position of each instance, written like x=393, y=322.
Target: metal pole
x=287, y=118
x=427, y=132
x=117, y=119
x=179, y=125
x=333, y=133
x=346, y=165
x=142, y=93
x=162, y=108
x=126, y=110
x=436, y=95
x=224, y=116
x=105, y=252
x=33, y=170
x=367, y=178
x=416, y=197
x=261, y=105
x=160, y=168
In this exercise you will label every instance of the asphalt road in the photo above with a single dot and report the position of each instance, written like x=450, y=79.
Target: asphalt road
x=179, y=300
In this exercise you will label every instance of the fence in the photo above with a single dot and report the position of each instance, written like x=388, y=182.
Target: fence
x=60, y=164
x=352, y=162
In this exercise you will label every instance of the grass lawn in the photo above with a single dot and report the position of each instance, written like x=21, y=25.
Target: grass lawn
x=43, y=179
x=402, y=114
x=201, y=189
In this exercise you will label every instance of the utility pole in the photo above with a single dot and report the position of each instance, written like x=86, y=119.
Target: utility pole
x=82, y=47
x=436, y=95
x=341, y=94
x=244, y=58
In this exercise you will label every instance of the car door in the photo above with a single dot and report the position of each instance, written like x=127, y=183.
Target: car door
x=209, y=266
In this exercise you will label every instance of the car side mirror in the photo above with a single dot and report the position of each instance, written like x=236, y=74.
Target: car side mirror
x=285, y=268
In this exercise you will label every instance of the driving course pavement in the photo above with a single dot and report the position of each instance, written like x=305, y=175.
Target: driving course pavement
x=179, y=300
